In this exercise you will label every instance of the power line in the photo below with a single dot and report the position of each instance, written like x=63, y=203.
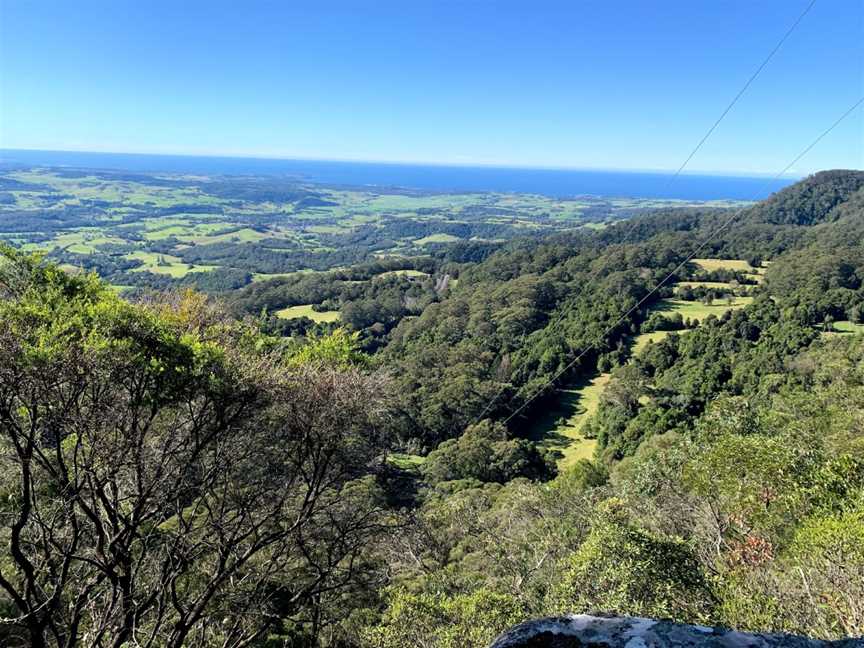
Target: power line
x=695, y=150
x=701, y=246
x=728, y=108
x=744, y=89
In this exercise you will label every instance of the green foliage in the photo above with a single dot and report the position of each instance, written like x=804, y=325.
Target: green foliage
x=625, y=570
x=671, y=382
x=816, y=586
x=582, y=475
x=657, y=321
x=133, y=434
x=470, y=620
x=511, y=328
x=339, y=349
x=835, y=482
x=727, y=488
x=837, y=539
x=485, y=453
x=813, y=200
x=756, y=479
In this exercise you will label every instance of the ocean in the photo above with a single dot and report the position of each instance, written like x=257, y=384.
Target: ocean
x=558, y=183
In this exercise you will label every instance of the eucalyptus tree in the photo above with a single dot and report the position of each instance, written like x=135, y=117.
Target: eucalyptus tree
x=167, y=477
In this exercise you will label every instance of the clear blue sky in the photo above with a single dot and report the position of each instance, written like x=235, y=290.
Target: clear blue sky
x=603, y=84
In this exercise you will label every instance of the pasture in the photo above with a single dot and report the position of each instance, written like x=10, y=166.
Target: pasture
x=436, y=238
x=560, y=428
x=305, y=310
x=845, y=327
x=260, y=227
x=698, y=310
x=738, y=265
x=403, y=273
x=641, y=341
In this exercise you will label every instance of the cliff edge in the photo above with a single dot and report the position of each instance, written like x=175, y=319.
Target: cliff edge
x=585, y=631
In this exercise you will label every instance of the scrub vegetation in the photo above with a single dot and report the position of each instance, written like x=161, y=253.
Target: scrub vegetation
x=373, y=445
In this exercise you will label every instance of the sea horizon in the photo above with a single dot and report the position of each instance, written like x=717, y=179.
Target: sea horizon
x=435, y=177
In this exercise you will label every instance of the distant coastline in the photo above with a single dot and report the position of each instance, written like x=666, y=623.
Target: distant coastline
x=440, y=178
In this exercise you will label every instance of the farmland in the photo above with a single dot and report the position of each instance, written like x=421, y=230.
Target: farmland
x=698, y=310
x=220, y=233
x=562, y=427
x=306, y=310
x=844, y=327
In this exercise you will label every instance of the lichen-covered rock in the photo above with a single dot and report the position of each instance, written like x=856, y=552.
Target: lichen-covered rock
x=585, y=631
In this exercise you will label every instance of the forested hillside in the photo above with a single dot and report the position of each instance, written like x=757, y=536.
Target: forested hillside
x=488, y=432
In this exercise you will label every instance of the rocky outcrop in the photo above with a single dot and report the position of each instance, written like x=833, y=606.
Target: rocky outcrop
x=585, y=631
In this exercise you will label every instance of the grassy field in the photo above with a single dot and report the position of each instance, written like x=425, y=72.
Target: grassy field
x=845, y=327
x=738, y=265
x=166, y=264
x=327, y=229
x=405, y=461
x=404, y=273
x=81, y=241
x=641, y=341
x=706, y=284
x=306, y=311
x=561, y=428
x=124, y=214
x=436, y=238
x=698, y=310
x=688, y=310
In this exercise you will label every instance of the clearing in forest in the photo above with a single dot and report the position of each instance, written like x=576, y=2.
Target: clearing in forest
x=699, y=310
x=166, y=264
x=403, y=273
x=305, y=310
x=688, y=310
x=404, y=461
x=844, y=326
x=436, y=238
x=641, y=341
x=561, y=427
x=737, y=265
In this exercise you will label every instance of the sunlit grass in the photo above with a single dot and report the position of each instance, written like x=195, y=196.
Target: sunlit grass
x=844, y=327
x=404, y=273
x=737, y=265
x=436, y=238
x=166, y=264
x=405, y=461
x=305, y=310
x=643, y=339
x=561, y=427
x=698, y=310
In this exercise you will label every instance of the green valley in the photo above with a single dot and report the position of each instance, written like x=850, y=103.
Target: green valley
x=434, y=423
x=241, y=229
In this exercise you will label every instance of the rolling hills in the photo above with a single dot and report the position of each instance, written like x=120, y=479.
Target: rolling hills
x=621, y=419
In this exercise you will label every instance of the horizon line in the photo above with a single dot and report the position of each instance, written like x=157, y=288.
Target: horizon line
x=433, y=163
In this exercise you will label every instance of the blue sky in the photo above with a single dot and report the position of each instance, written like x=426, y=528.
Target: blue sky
x=597, y=84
